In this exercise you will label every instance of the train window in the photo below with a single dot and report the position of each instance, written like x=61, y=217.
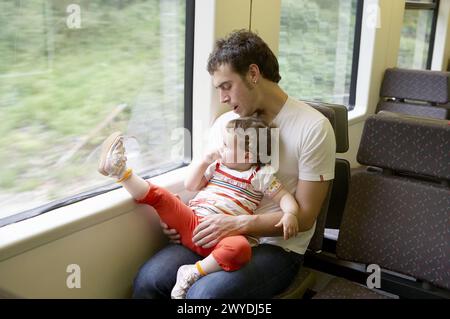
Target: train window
x=417, y=37
x=319, y=49
x=71, y=74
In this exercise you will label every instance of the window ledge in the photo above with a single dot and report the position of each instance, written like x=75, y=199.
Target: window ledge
x=28, y=234
x=355, y=116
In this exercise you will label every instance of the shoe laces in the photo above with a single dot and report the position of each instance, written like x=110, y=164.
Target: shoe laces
x=117, y=158
x=189, y=278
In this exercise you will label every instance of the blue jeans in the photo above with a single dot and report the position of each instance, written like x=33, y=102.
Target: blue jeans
x=268, y=273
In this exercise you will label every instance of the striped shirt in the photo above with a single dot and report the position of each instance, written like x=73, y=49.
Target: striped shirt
x=233, y=192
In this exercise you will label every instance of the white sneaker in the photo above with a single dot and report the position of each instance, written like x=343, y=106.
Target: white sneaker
x=187, y=275
x=112, y=159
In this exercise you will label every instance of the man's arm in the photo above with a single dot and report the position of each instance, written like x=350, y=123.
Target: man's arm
x=309, y=195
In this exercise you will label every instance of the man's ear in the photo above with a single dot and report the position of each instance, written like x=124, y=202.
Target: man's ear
x=253, y=73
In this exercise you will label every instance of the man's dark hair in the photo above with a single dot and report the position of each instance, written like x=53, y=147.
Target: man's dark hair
x=242, y=48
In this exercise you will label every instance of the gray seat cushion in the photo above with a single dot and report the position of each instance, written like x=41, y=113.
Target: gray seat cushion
x=400, y=224
x=407, y=144
x=422, y=85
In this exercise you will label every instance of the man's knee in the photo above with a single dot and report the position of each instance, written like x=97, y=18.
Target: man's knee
x=145, y=286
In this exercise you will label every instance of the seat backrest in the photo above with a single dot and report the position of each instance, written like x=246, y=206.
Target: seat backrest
x=337, y=115
x=398, y=217
x=416, y=92
x=339, y=192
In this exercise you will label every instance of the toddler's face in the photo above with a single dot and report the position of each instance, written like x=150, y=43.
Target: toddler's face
x=233, y=154
x=231, y=151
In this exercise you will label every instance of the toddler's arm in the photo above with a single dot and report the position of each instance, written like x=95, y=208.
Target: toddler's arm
x=195, y=179
x=290, y=209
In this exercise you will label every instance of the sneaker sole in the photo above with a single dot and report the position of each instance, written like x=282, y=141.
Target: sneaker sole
x=106, y=147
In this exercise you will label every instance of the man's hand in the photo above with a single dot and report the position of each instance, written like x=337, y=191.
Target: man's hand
x=213, y=228
x=173, y=235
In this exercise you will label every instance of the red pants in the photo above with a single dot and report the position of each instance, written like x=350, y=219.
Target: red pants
x=231, y=252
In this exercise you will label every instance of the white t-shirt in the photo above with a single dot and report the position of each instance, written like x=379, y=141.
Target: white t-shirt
x=307, y=151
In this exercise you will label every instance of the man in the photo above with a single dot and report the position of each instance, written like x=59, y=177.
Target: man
x=245, y=71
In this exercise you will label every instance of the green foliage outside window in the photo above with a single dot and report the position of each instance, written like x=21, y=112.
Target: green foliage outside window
x=62, y=90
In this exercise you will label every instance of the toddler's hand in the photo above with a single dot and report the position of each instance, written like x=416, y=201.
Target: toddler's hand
x=290, y=225
x=213, y=155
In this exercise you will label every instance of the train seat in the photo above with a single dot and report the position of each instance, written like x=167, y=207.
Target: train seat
x=398, y=216
x=416, y=92
x=337, y=115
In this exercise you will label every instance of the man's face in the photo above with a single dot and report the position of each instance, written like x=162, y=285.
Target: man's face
x=235, y=91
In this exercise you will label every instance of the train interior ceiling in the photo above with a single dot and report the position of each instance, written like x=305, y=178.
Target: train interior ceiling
x=384, y=229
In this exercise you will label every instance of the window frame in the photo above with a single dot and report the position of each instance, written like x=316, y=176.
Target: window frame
x=188, y=86
x=356, y=51
x=434, y=6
